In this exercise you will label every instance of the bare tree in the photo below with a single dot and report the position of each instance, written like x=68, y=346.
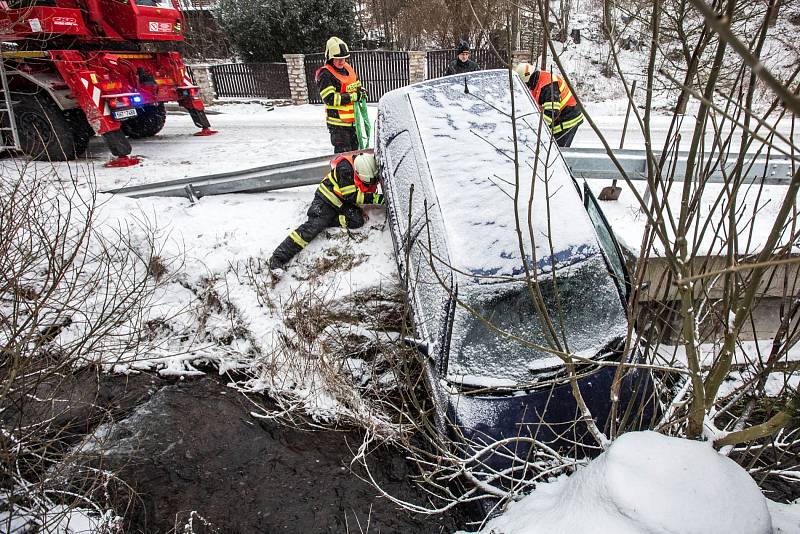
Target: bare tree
x=71, y=296
x=716, y=305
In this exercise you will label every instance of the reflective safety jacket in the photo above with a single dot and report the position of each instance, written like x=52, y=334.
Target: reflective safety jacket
x=343, y=186
x=559, y=108
x=333, y=89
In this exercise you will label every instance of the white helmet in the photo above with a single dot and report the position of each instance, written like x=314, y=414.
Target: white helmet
x=366, y=167
x=525, y=71
x=335, y=48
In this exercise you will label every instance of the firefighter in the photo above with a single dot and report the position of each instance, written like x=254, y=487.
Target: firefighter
x=339, y=88
x=559, y=108
x=351, y=184
x=462, y=63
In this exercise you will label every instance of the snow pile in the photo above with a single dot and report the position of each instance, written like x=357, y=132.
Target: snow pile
x=647, y=483
x=60, y=519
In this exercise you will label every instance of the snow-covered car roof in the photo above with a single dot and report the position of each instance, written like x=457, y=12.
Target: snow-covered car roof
x=467, y=137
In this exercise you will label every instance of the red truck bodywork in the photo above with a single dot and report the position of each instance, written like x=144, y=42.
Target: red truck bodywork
x=67, y=49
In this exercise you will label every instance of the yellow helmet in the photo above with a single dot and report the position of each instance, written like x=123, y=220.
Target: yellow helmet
x=525, y=71
x=336, y=48
x=366, y=167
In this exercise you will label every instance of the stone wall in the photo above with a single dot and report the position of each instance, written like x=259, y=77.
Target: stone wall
x=297, y=78
x=417, y=63
x=520, y=56
x=202, y=77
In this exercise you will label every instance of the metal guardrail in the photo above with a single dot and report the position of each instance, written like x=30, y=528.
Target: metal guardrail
x=594, y=163
x=589, y=163
x=268, y=178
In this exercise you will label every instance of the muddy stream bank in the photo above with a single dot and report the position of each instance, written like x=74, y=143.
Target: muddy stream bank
x=193, y=455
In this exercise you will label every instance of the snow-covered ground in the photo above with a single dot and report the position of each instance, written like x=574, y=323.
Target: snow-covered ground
x=215, y=251
x=648, y=483
x=250, y=135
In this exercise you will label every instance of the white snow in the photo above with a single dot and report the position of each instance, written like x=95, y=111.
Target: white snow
x=224, y=243
x=759, y=208
x=249, y=136
x=648, y=483
x=746, y=352
x=218, y=243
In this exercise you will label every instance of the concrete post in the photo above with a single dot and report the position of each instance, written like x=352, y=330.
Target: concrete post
x=201, y=73
x=417, y=63
x=298, y=87
x=520, y=56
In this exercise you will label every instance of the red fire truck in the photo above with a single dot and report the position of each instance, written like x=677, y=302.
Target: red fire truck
x=76, y=68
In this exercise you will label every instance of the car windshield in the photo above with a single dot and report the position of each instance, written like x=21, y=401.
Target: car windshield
x=584, y=307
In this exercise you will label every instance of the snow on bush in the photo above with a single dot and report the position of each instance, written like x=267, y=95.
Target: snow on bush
x=644, y=483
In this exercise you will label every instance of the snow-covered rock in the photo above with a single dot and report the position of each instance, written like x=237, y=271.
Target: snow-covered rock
x=645, y=483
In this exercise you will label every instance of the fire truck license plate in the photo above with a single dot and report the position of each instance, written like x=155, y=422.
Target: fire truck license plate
x=124, y=114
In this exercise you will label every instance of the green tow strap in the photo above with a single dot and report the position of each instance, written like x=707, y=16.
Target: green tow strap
x=362, y=123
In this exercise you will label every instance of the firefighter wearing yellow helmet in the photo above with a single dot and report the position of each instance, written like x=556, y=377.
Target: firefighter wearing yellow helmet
x=351, y=184
x=559, y=108
x=339, y=89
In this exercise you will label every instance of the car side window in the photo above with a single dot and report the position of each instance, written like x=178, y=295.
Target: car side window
x=608, y=242
x=422, y=241
x=398, y=155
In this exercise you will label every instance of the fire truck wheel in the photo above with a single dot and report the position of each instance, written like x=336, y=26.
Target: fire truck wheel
x=82, y=132
x=44, y=133
x=147, y=123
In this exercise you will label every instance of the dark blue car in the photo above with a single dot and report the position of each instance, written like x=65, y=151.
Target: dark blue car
x=508, y=263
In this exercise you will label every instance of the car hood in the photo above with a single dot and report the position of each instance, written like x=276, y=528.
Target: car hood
x=549, y=413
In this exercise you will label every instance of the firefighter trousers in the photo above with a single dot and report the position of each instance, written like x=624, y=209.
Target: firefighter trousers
x=343, y=138
x=321, y=215
x=565, y=138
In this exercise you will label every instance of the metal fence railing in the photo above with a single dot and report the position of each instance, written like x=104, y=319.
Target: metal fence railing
x=438, y=60
x=251, y=80
x=378, y=70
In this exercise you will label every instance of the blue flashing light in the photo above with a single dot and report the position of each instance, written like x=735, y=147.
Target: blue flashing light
x=136, y=99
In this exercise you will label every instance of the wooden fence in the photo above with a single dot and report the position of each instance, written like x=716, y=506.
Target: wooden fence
x=251, y=80
x=379, y=71
x=438, y=60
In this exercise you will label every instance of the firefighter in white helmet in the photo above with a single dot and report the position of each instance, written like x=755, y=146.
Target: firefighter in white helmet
x=559, y=108
x=339, y=89
x=351, y=184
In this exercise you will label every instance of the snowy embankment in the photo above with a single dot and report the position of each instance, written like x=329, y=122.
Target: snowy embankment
x=217, y=305
x=649, y=483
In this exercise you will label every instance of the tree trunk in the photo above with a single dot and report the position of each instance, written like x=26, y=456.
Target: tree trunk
x=387, y=28
x=774, y=17
x=566, y=5
x=608, y=19
x=515, y=40
x=545, y=22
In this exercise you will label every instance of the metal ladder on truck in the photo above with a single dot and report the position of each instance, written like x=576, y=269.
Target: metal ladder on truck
x=9, y=138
